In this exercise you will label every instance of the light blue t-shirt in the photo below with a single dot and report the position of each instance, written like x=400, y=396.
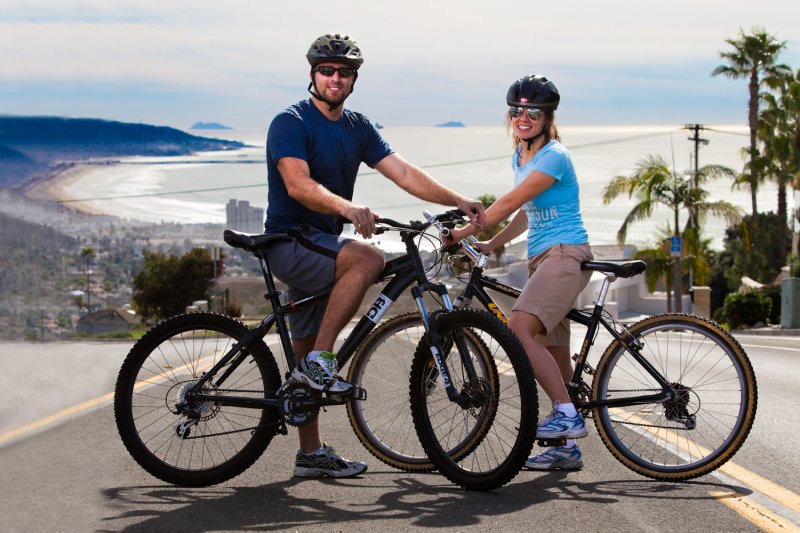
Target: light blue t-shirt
x=554, y=217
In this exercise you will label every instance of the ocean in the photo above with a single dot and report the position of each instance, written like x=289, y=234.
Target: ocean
x=471, y=160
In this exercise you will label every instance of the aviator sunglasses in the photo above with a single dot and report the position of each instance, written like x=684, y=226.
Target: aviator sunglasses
x=327, y=71
x=533, y=113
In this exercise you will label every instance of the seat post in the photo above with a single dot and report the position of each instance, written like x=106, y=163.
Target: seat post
x=601, y=298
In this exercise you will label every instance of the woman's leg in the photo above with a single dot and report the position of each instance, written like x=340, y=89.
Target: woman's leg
x=547, y=372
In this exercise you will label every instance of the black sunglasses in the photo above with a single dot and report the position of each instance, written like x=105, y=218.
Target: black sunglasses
x=327, y=71
x=533, y=113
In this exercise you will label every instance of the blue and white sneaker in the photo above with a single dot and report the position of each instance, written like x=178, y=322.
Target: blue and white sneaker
x=320, y=374
x=326, y=462
x=557, y=425
x=556, y=458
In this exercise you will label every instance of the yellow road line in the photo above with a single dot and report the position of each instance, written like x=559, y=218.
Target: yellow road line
x=31, y=427
x=95, y=403
x=757, y=514
x=784, y=496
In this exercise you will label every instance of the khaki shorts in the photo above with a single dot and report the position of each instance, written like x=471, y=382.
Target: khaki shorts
x=555, y=280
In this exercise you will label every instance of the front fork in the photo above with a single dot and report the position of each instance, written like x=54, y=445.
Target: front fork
x=437, y=342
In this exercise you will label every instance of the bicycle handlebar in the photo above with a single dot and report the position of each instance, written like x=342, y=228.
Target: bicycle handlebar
x=465, y=244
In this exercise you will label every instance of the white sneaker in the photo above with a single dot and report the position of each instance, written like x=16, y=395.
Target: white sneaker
x=320, y=374
x=326, y=463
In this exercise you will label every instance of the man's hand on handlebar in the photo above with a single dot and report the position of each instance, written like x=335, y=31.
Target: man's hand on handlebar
x=474, y=211
x=363, y=220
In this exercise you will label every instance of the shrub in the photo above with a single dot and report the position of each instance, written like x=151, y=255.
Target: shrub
x=773, y=292
x=745, y=308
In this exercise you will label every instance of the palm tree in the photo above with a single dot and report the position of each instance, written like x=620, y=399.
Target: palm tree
x=659, y=266
x=779, y=131
x=654, y=183
x=753, y=57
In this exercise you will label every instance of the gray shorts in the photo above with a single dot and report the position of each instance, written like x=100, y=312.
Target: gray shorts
x=308, y=266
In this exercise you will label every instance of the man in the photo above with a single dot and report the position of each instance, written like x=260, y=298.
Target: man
x=314, y=149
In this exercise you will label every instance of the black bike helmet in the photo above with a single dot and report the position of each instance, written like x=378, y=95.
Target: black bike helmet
x=336, y=48
x=533, y=91
x=333, y=48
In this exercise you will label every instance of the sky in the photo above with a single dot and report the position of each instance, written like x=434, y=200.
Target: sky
x=176, y=62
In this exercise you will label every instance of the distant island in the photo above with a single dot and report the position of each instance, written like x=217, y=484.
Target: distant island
x=452, y=124
x=209, y=126
x=31, y=146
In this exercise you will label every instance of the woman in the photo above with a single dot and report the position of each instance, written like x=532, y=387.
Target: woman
x=545, y=197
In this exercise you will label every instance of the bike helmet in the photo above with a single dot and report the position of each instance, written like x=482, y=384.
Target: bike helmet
x=533, y=91
x=337, y=48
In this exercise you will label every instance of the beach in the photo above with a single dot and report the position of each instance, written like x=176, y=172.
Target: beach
x=195, y=189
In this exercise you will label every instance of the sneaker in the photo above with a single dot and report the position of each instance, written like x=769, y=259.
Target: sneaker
x=320, y=374
x=557, y=458
x=326, y=463
x=557, y=425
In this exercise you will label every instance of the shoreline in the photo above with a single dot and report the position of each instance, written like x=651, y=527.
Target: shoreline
x=52, y=188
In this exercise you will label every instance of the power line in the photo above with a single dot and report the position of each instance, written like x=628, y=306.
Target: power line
x=262, y=184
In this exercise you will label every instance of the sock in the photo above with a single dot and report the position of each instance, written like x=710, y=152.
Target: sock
x=567, y=409
x=313, y=355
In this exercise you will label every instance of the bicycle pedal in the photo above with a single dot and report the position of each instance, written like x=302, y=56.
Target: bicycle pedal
x=356, y=393
x=551, y=443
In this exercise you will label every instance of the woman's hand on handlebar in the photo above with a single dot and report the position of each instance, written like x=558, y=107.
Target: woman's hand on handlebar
x=483, y=247
x=456, y=234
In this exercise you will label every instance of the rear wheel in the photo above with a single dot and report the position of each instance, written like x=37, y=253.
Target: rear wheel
x=703, y=425
x=383, y=421
x=482, y=442
x=214, y=442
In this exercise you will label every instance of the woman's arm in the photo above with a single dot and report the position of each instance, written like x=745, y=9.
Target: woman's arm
x=532, y=186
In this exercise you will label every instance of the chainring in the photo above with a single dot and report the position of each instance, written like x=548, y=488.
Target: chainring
x=293, y=398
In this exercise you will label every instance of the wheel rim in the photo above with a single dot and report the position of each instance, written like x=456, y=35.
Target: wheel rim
x=703, y=424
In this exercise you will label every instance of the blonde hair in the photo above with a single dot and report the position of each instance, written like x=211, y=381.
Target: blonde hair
x=551, y=130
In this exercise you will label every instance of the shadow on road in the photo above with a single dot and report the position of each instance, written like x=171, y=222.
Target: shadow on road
x=352, y=504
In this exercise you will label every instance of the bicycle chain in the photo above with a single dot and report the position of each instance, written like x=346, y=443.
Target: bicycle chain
x=640, y=423
x=221, y=433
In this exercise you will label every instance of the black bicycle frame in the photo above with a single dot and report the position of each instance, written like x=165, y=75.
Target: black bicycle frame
x=475, y=288
x=401, y=272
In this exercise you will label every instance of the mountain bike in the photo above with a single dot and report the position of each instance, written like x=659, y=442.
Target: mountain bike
x=673, y=396
x=200, y=396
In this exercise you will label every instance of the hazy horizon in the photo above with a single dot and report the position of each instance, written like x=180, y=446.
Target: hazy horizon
x=173, y=63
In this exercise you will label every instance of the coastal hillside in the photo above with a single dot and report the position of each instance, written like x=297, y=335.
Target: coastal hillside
x=30, y=145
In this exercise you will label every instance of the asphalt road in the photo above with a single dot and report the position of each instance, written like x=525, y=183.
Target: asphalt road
x=64, y=468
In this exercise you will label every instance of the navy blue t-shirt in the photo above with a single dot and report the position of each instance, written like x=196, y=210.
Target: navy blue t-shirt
x=333, y=150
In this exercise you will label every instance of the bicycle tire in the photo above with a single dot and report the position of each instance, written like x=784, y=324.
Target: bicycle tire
x=226, y=440
x=504, y=417
x=383, y=421
x=717, y=396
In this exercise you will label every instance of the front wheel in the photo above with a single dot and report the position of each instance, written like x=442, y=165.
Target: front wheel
x=714, y=402
x=482, y=442
x=214, y=442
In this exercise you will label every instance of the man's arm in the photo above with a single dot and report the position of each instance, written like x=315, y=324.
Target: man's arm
x=419, y=183
x=301, y=187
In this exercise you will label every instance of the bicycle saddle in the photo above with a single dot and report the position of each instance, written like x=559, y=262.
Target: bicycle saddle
x=252, y=242
x=621, y=269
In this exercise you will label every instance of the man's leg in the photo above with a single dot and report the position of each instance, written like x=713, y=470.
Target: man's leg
x=358, y=266
x=310, y=438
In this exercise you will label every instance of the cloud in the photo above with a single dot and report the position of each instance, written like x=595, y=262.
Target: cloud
x=423, y=61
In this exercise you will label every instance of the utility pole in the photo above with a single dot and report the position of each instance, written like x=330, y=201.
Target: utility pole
x=697, y=142
x=677, y=245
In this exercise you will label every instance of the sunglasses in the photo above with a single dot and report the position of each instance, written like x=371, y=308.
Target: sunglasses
x=327, y=71
x=533, y=113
